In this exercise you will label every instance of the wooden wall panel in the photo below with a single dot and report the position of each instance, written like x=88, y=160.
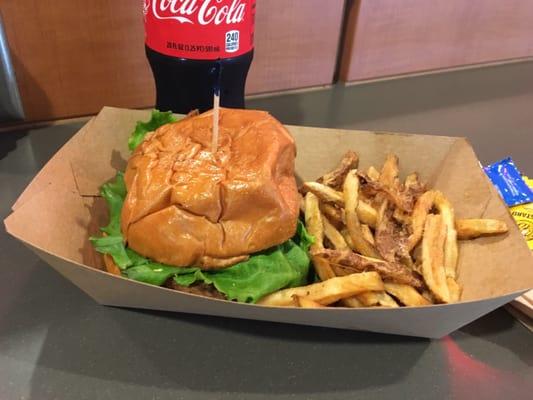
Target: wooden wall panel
x=296, y=44
x=73, y=56
x=389, y=37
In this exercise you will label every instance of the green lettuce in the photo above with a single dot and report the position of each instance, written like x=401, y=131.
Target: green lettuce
x=285, y=265
x=157, y=119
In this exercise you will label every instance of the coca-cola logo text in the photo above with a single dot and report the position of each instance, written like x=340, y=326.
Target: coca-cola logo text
x=191, y=11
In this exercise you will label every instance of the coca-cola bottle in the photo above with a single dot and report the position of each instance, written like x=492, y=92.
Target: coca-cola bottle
x=195, y=45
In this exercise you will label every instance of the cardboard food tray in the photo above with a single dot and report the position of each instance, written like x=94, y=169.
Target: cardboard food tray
x=61, y=208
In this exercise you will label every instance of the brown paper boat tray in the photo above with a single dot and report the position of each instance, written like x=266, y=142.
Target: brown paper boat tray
x=61, y=208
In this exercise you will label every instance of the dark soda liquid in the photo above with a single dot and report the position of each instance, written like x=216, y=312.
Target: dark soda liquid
x=183, y=85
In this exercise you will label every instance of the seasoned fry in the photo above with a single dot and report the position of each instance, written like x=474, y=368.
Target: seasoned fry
x=406, y=294
x=348, y=262
x=334, y=215
x=433, y=257
x=334, y=236
x=390, y=171
x=420, y=213
x=412, y=181
x=367, y=234
x=474, y=228
x=313, y=221
x=322, y=268
x=451, y=251
x=336, y=177
x=454, y=289
x=327, y=292
x=351, y=302
x=351, y=200
x=382, y=299
x=373, y=173
x=110, y=265
x=324, y=193
x=306, y=302
x=366, y=213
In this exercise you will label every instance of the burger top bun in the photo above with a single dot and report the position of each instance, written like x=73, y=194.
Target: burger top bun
x=189, y=207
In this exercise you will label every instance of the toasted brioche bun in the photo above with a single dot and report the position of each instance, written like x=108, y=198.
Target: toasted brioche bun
x=187, y=206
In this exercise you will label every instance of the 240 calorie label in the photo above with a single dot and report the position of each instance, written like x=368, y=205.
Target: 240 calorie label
x=199, y=29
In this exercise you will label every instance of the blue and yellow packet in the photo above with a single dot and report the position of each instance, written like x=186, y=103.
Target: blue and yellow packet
x=509, y=182
x=523, y=215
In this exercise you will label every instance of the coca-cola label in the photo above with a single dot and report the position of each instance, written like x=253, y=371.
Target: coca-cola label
x=199, y=29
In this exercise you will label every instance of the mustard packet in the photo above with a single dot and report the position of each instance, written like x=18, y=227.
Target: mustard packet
x=523, y=215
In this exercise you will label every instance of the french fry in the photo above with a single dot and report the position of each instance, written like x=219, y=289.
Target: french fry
x=351, y=200
x=335, y=178
x=327, y=292
x=334, y=236
x=454, y=289
x=313, y=221
x=365, y=211
x=474, y=228
x=351, y=302
x=406, y=294
x=373, y=173
x=420, y=212
x=451, y=251
x=333, y=214
x=322, y=268
x=367, y=214
x=390, y=171
x=371, y=299
x=324, y=193
x=306, y=302
x=433, y=257
x=110, y=265
x=367, y=234
x=411, y=180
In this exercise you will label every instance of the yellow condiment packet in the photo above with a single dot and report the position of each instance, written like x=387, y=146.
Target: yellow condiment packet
x=523, y=215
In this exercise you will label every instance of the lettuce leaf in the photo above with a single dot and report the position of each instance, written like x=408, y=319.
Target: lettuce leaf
x=285, y=265
x=157, y=119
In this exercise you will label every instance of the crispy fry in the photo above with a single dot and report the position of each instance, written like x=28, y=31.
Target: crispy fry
x=334, y=215
x=348, y=262
x=474, y=228
x=454, y=289
x=402, y=199
x=433, y=257
x=412, y=181
x=451, y=251
x=382, y=299
x=110, y=265
x=351, y=200
x=420, y=213
x=351, y=302
x=336, y=177
x=406, y=294
x=306, y=302
x=366, y=213
x=322, y=268
x=390, y=171
x=327, y=292
x=324, y=193
x=334, y=236
x=313, y=220
x=373, y=173
x=367, y=234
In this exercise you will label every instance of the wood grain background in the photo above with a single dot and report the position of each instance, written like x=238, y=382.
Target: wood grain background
x=389, y=37
x=73, y=56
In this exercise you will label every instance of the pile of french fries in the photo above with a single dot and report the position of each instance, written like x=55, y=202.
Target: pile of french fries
x=380, y=242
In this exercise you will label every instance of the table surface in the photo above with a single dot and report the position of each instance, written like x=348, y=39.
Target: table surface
x=57, y=343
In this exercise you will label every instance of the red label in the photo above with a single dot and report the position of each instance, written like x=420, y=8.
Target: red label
x=200, y=29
